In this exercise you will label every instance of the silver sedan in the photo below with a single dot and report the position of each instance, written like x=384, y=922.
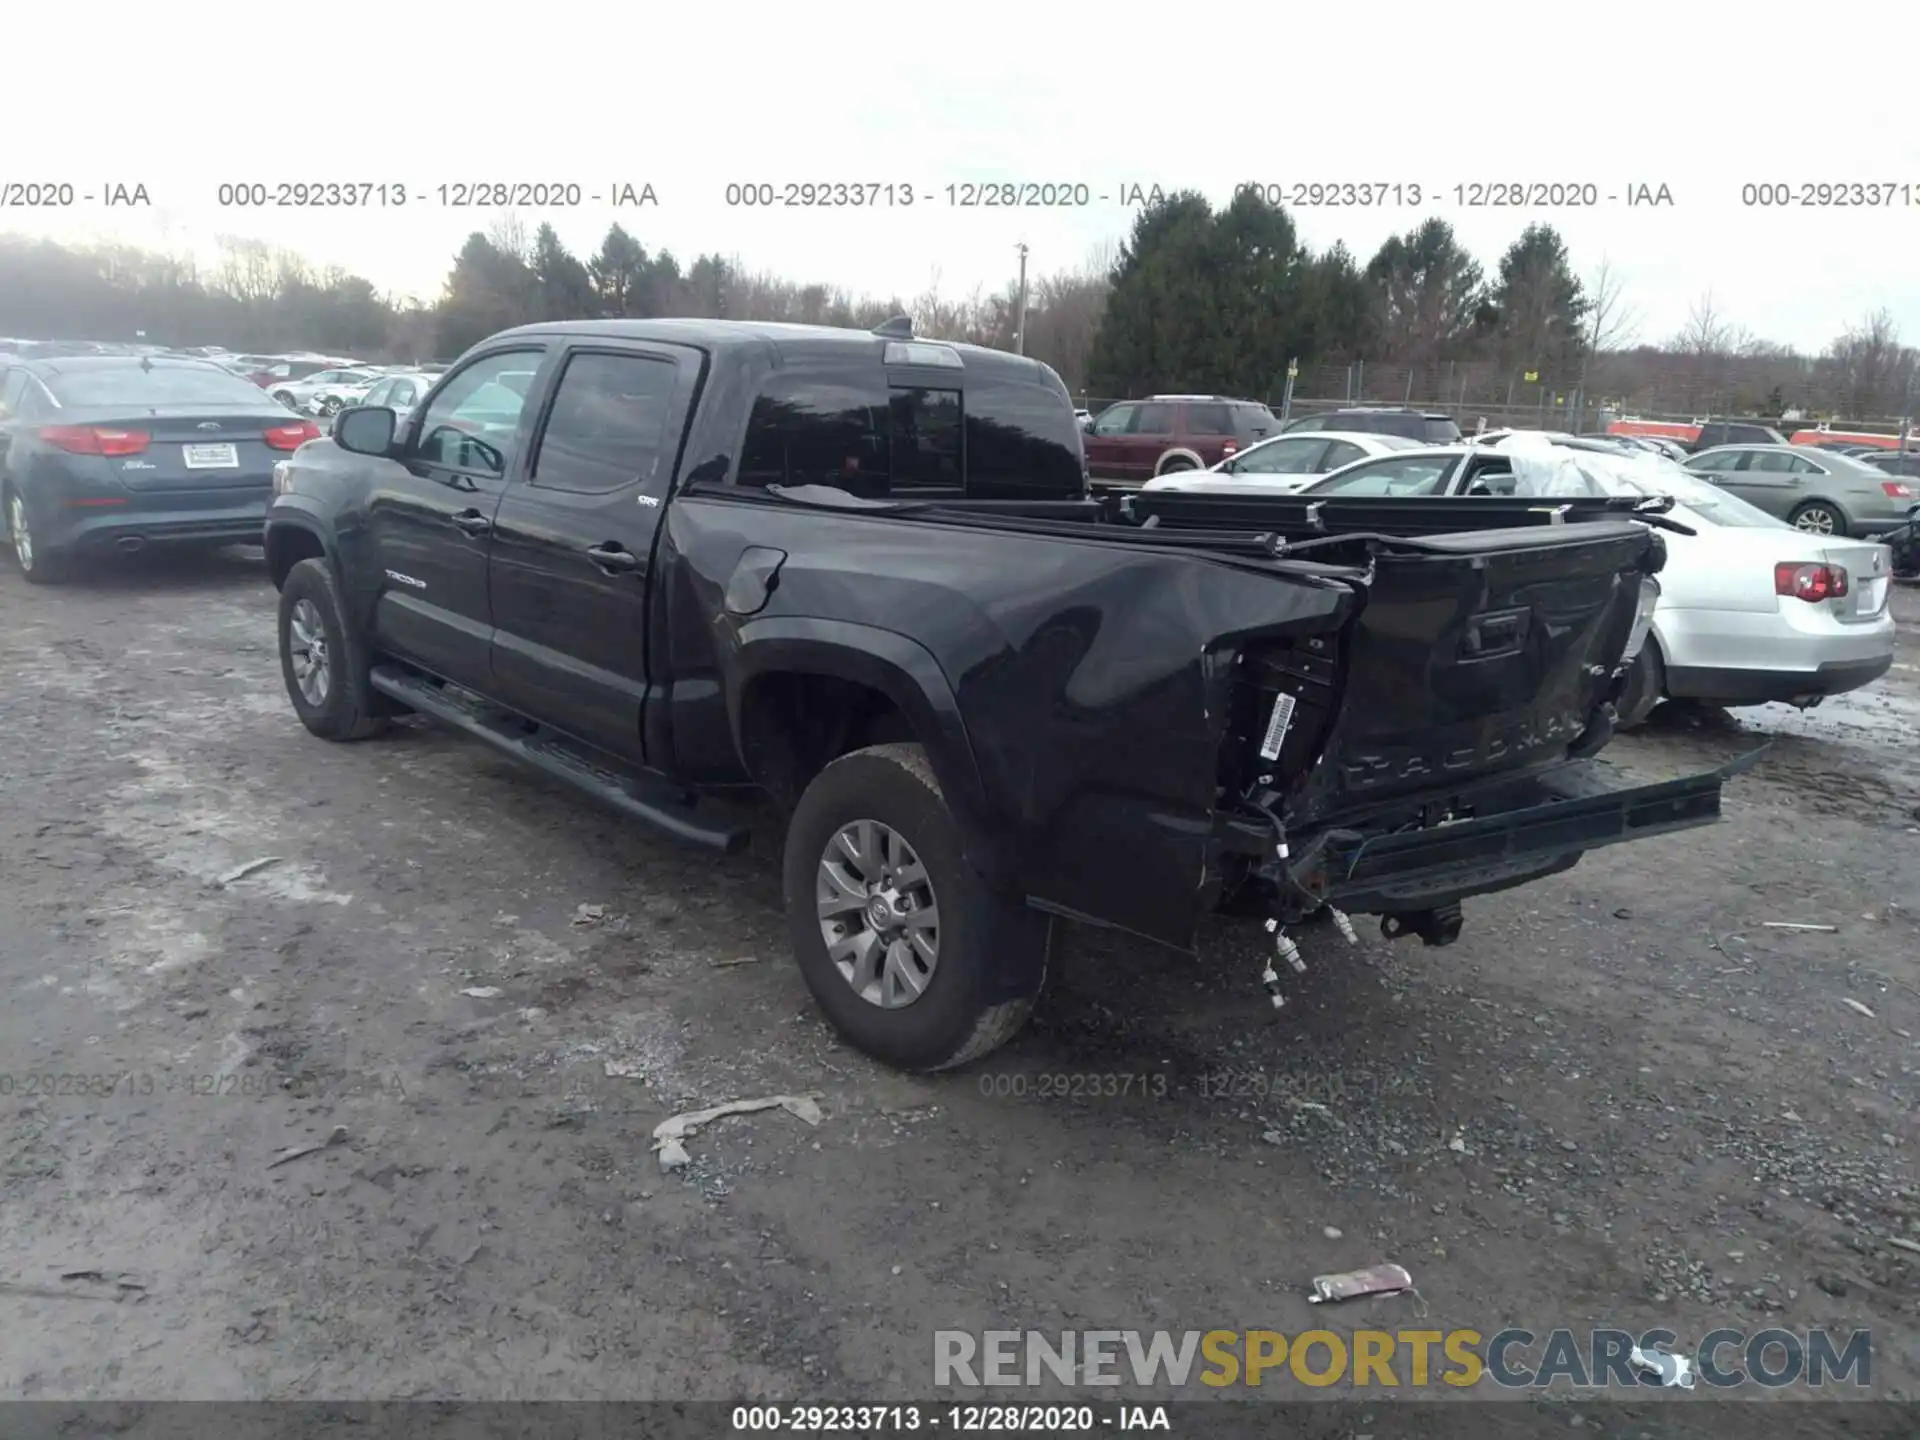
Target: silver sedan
x=1819, y=491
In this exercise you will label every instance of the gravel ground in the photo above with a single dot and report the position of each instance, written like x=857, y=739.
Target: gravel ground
x=1620, y=1099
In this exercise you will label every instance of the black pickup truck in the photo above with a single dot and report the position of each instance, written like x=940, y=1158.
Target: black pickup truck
x=682, y=563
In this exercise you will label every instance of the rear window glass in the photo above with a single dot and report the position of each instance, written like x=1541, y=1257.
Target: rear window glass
x=927, y=450
x=995, y=438
x=1440, y=431
x=144, y=388
x=1022, y=439
x=817, y=431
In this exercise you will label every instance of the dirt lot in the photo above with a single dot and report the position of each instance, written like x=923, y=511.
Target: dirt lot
x=1665, y=1113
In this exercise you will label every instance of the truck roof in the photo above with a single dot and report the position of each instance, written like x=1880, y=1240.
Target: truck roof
x=787, y=341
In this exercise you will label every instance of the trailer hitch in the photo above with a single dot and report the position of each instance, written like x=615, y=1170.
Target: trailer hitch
x=1438, y=926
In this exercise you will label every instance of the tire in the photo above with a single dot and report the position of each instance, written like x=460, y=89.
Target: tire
x=1646, y=687
x=343, y=705
x=990, y=951
x=1175, y=465
x=287, y=400
x=39, y=567
x=1819, y=517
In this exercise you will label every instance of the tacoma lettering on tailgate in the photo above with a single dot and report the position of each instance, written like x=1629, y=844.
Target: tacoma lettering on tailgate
x=1409, y=762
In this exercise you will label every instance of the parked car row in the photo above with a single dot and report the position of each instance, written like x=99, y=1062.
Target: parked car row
x=305, y=382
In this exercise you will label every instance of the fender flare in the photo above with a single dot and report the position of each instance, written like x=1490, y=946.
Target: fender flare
x=1178, y=452
x=898, y=667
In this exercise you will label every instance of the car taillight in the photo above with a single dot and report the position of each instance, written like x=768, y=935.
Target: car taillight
x=1229, y=448
x=1809, y=582
x=1896, y=490
x=292, y=437
x=95, y=440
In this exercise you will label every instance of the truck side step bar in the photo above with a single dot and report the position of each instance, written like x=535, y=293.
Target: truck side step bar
x=707, y=822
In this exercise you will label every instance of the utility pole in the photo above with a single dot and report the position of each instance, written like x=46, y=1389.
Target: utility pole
x=1020, y=306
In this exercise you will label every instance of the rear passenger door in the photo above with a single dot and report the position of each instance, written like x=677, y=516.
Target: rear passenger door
x=573, y=541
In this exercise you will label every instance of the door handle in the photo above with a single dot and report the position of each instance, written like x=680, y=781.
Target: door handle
x=612, y=558
x=472, y=522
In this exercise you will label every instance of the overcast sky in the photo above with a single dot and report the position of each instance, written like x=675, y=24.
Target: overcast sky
x=1202, y=96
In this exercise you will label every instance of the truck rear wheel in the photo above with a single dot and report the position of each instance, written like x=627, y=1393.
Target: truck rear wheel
x=914, y=959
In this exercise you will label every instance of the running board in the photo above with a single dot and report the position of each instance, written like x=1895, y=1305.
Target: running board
x=705, y=822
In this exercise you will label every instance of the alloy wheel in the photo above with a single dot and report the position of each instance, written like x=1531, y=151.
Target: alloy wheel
x=307, y=645
x=22, y=537
x=878, y=914
x=1815, y=520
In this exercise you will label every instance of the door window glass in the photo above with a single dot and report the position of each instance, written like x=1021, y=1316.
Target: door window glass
x=472, y=421
x=1153, y=420
x=1209, y=420
x=1413, y=476
x=609, y=425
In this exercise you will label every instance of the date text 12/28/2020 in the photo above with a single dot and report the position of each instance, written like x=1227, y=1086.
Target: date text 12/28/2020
x=960, y=1419
x=449, y=195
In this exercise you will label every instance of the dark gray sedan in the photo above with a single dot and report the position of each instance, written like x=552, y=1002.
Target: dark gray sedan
x=104, y=453
x=1819, y=491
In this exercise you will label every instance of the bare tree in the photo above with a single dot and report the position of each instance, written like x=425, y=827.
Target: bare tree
x=1871, y=367
x=1611, y=322
x=1708, y=332
x=509, y=236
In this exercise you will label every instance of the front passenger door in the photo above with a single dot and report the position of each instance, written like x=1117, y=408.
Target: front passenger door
x=573, y=543
x=1774, y=480
x=430, y=519
x=1105, y=442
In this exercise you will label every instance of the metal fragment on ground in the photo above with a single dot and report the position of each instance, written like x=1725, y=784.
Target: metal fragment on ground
x=1352, y=1284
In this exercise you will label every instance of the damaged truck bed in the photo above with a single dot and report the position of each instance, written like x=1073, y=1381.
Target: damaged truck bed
x=979, y=710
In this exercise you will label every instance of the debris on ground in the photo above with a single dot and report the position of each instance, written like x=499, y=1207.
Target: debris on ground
x=109, y=1285
x=668, y=1134
x=484, y=992
x=240, y=872
x=1900, y=1242
x=1853, y=1004
x=1352, y=1284
x=1795, y=925
x=625, y=1070
x=586, y=915
x=337, y=1136
x=1672, y=1370
x=740, y=960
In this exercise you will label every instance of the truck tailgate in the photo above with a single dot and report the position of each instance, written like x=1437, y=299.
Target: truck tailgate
x=1475, y=654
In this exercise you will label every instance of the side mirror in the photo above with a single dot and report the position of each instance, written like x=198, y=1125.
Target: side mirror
x=365, y=430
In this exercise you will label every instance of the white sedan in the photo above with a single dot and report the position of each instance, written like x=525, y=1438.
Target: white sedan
x=1283, y=465
x=1751, y=610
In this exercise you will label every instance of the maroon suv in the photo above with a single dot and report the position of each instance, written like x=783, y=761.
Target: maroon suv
x=1139, y=439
